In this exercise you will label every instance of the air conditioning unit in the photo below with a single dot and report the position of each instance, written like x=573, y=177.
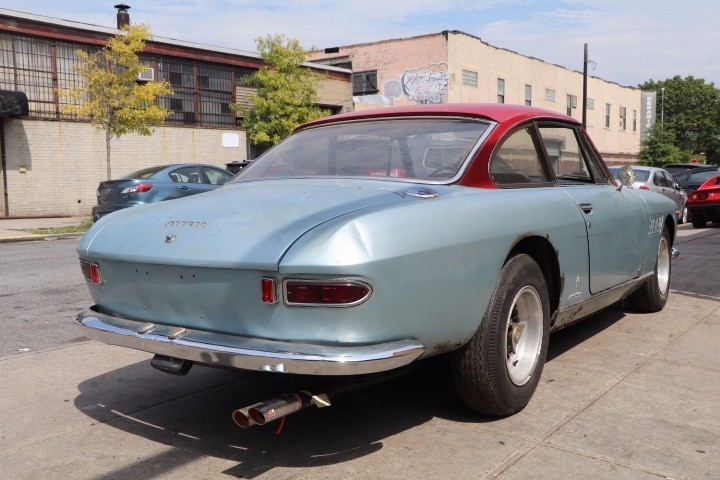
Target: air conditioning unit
x=147, y=75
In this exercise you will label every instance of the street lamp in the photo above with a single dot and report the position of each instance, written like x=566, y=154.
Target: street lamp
x=662, y=108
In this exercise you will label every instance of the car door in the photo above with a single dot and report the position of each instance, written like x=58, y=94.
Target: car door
x=614, y=219
x=668, y=187
x=189, y=181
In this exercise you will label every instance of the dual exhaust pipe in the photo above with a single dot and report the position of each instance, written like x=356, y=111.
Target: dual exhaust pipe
x=277, y=408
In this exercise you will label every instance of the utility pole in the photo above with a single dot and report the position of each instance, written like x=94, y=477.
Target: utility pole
x=584, y=100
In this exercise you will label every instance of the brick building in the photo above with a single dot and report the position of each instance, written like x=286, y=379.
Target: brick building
x=456, y=67
x=52, y=163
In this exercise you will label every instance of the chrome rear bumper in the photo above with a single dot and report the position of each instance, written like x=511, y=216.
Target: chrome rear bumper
x=247, y=353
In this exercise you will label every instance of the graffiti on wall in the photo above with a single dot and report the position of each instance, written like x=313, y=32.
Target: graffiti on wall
x=424, y=84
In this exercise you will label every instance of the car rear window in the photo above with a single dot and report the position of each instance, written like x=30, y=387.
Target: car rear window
x=640, y=175
x=144, y=173
x=409, y=148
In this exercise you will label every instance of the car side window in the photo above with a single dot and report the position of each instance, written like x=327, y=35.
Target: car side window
x=517, y=162
x=565, y=155
x=215, y=177
x=659, y=180
x=572, y=156
x=186, y=175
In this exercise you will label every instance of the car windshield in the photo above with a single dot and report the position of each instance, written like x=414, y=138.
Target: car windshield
x=144, y=173
x=409, y=148
x=640, y=175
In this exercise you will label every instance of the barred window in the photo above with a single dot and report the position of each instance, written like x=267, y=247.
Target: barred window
x=43, y=70
x=365, y=83
x=590, y=102
x=202, y=92
x=550, y=95
x=27, y=65
x=470, y=78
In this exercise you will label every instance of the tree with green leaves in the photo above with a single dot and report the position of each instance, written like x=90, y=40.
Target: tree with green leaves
x=286, y=92
x=659, y=149
x=691, y=111
x=111, y=95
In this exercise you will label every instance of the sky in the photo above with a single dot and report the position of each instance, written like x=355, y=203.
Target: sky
x=629, y=41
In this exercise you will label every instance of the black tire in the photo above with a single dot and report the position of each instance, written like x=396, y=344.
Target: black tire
x=699, y=222
x=485, y=377
x=653, y=294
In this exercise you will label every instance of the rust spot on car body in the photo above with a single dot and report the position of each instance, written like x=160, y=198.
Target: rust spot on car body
x=445, y=347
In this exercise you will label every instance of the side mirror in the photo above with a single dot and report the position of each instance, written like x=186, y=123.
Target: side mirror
x=626, y=175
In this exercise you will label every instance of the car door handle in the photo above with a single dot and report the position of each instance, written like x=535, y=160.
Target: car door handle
x=184, y=187
x=586, y=207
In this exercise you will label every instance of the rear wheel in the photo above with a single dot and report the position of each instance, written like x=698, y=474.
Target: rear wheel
x=653, y=294
x=698, y=222
x=498, y=370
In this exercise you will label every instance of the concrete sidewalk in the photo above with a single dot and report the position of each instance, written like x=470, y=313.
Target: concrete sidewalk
x=12, y=229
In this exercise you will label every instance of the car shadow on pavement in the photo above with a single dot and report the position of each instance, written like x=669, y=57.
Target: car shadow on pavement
x=193, y=413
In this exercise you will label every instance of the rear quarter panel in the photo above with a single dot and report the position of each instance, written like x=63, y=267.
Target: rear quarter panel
x=432, y=263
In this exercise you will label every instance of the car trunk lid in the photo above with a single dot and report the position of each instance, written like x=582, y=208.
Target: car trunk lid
x=246, y=225
x=110, y=191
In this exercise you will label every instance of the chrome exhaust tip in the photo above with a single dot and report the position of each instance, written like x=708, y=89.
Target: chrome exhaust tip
x=277, y=408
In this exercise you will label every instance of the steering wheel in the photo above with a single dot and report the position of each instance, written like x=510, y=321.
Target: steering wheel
x=445, y=168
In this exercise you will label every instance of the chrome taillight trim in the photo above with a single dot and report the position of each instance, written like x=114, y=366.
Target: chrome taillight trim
x=90, y=266
x=334, y=281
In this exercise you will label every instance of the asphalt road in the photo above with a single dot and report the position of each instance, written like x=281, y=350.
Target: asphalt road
x=41, y=289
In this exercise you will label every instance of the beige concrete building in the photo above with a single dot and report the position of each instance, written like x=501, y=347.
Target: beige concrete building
x=455, y=67
x=52, y=163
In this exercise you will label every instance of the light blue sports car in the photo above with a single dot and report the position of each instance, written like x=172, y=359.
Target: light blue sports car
x=371, y=240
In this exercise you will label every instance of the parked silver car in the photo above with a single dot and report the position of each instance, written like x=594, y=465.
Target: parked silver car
x=659, y=180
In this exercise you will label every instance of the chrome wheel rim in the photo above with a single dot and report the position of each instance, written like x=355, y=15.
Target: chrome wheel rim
x=524, y=335
x=663, y=265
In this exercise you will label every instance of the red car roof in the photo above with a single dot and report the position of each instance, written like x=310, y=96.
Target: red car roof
x=492, y=111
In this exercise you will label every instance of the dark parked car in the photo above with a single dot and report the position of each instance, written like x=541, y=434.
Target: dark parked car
x=704, y=203
x=691, y=179
x=155, y=184
x=674, y=168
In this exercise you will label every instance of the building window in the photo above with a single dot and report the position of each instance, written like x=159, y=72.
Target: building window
x=571, y=103
x=623, y=118
x=202, y=92
x=365, y=83
x=469, y=78
x=550, y=95
x=634, y=120
x=501, y=90
x=607, y=115
x=590, y=103
x=528, y=95
x=40, y=69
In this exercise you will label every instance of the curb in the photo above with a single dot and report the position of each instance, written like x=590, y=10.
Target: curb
x=33, y=237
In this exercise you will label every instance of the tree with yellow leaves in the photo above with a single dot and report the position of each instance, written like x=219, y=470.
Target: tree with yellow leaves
x=111, y=96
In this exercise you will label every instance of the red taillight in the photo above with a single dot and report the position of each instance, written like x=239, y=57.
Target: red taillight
x=139, y=188
x=315, y=293
x=698, y=196
x=91, y=271
x=269, y=290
